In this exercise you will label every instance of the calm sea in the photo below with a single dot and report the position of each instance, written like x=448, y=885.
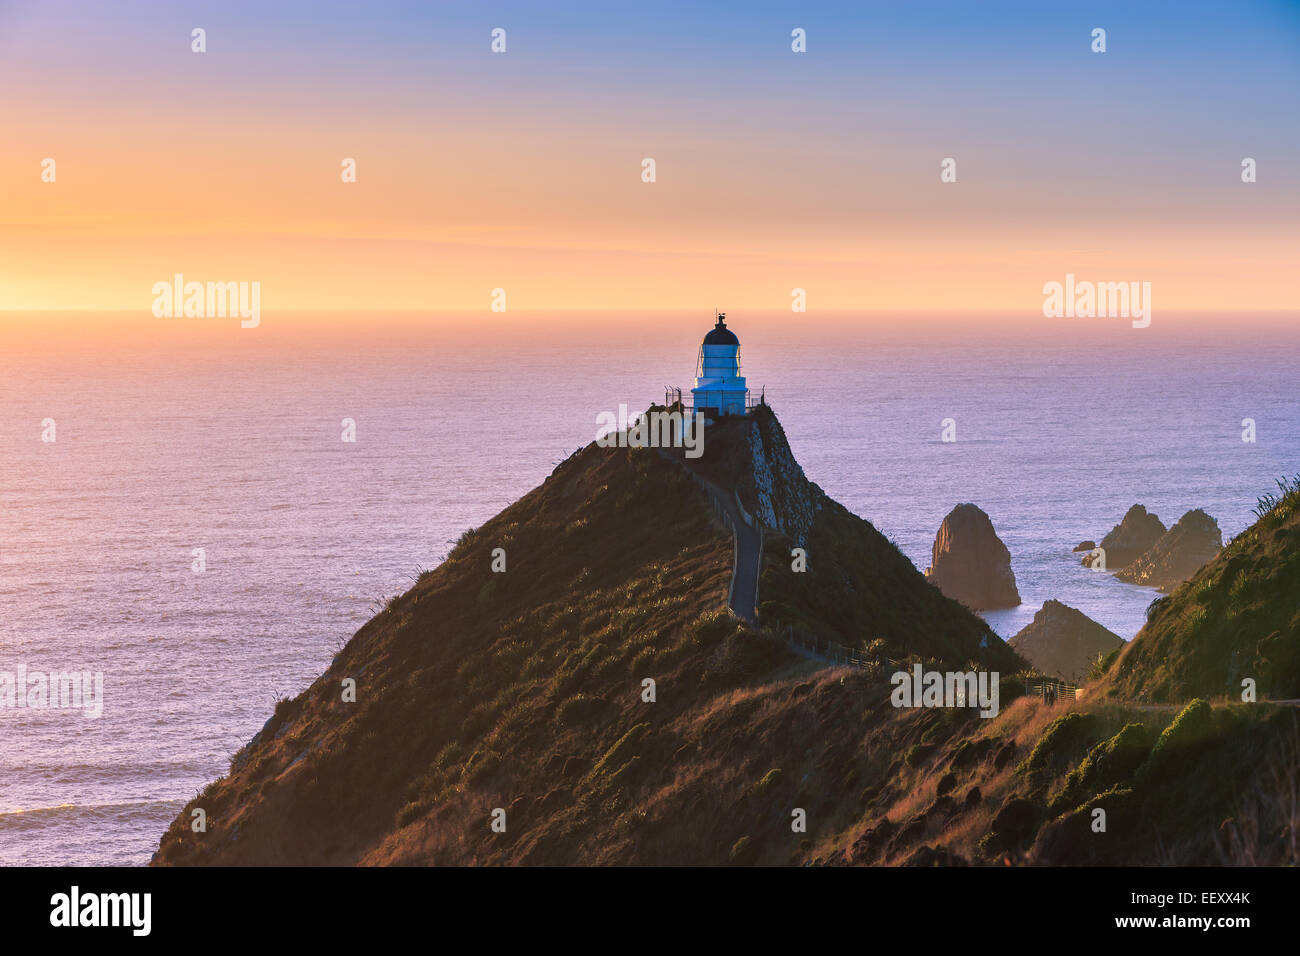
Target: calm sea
x=198, y=434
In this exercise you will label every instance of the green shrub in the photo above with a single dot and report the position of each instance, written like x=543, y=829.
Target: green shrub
x=1191, y=728
x=1102, y=664
x=1240, y=586
x=770, y=780
x=479, y=766
x=1062, y=735
x=1107, y=763
x=1156, y=607
x=713, y=626
x=917, y=754
x=743, y=852
x=963, y=754
x=411, y=812
x=622, y=749
x=1268, y=503
x=463, y=542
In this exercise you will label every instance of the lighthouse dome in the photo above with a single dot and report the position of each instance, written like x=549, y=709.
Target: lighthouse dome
x=720, y=334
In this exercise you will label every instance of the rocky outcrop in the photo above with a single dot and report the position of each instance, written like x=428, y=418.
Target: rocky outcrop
x=784, y=498
x=1130, y=539
x=1063, y=642
x=970, y=563
x=1085, y=545
x=1181, y=552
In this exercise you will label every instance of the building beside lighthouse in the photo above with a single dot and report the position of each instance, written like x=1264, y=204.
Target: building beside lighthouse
x=719, y=387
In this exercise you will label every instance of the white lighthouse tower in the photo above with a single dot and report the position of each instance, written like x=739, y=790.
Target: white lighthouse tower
x=719, y=386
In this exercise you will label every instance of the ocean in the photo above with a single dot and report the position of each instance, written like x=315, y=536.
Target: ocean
x=177, y=435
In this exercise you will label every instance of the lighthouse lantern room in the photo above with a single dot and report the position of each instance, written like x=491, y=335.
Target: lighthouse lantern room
x=719, y=386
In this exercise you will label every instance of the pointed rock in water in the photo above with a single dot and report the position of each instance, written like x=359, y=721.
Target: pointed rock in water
x=970, y=563
x=1064, y=642
x=1181, y=552
x=1129, y=539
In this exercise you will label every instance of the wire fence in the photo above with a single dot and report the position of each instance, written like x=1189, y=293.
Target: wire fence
x=1050, y=690
x=829, y=650
x=675, y=398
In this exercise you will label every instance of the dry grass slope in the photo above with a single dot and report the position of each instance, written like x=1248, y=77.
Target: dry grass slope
x=523, y=691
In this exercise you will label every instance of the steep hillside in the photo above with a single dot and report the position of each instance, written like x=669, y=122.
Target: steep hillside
x=857, y=590
x=522, y=699
x=525, y=691
x=1193, y=787
x=1237, y=618
x=1186, y=781
x=1112, y=779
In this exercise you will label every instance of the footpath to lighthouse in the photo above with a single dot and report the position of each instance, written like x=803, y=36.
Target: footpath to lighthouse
x=747, y=536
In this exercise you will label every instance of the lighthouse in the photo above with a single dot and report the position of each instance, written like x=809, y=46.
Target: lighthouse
x=719, y=386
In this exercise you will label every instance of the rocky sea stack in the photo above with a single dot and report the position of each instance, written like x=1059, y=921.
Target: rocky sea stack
x=1130, y=539
x=1179, y=553
x=1063, y=642
x=970, y=563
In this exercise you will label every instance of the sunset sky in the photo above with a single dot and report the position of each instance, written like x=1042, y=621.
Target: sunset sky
x=775, y=170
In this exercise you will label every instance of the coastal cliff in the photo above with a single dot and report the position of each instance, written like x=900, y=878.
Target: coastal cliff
x=525, y=690
x=595, y=702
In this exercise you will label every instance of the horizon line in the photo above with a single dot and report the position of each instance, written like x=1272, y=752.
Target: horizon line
x=678, y=308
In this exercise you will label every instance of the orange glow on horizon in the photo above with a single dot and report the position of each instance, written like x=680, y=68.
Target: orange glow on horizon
x=456, y=199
